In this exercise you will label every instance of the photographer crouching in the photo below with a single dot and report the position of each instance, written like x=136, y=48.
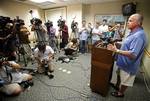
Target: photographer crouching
x=12, y=81
x=43, y=55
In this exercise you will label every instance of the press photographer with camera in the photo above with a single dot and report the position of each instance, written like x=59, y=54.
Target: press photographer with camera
x=74, y=28
x=12, y=81
x=23, y=40
x=51, y=31
x=72, y=47
x=39, y=30
x=43, y=55
x=7, y=37
x=63, y=31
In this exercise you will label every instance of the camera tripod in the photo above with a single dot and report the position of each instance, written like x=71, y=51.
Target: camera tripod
x=22, y=51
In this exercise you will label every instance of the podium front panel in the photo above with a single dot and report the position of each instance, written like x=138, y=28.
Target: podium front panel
x=101, y=65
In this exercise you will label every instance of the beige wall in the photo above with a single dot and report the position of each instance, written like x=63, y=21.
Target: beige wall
x=143, y=7
x=70, y=12
x=102, y=8
x=74, y=11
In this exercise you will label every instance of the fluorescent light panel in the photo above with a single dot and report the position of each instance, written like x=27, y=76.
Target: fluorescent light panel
x=41, y=1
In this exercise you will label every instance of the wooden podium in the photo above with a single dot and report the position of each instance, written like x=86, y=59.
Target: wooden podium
x=101, y=68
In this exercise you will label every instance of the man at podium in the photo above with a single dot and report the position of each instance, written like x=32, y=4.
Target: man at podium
x=130, y=54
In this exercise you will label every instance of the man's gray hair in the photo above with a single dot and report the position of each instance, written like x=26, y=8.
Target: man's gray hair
x=139, y=18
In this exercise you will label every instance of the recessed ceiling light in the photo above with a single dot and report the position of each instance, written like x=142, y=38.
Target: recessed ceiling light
x=41, y=1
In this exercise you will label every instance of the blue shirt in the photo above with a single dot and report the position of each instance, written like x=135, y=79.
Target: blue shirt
x=135, y=43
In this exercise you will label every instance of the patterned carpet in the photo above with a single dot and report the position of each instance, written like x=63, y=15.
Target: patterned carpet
x=71, y=83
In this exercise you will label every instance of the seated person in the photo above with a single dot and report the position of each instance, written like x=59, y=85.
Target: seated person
x=71, y=47
x=13, y=82
x=43, y=55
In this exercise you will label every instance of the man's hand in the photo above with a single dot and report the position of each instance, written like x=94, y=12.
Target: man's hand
x=112, y=47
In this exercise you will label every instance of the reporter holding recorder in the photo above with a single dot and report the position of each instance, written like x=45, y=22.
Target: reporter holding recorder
x=130, y=54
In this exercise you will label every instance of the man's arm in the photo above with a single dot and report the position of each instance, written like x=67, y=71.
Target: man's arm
x=121, y=52
x=12, y=64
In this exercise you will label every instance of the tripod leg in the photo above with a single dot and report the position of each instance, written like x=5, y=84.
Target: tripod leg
x=23, y=53
x=31, y=54
x=25, y=62
x=18, y=53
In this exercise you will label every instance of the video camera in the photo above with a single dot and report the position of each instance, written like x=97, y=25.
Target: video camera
x=60, y=22
x=18, y=23
x=4, y=21
x=35, y=21
x=49, y=24
x=26, y=84
x=45, y=65
x=74, y=26
x=2, y=59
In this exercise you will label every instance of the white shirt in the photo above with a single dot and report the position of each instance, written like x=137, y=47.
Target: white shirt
x=44, y=55
x=83, y=33
x=103, y=28
x=95, y=34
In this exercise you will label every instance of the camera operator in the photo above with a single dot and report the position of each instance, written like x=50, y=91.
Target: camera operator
x=43, y=55
x=7, y=37
x=13, y=82
x=39, y=29
x=24, y=41
x=51, y=31
x=74, y=27
x=63, y=34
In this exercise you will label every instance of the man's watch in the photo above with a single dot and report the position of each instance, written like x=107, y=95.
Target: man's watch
x=118, y=51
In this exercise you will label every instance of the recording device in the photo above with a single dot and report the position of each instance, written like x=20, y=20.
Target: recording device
x=36, y=21
x=1, y=82
x=105, y=41
x=60, y=22
x=74, y=26
x=48, y=24
x=26, y=84
x=45, y=65
x=2, y=59
x=19, y=21
x=4, y=21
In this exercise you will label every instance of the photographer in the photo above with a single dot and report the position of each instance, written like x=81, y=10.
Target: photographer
x=74, y=27
x=13, y=82
x=7, y=37
x=71, y=47
x=51, y=31
x=24, y=34
x=39, y=29
x=43, y=55
x=63, y=34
